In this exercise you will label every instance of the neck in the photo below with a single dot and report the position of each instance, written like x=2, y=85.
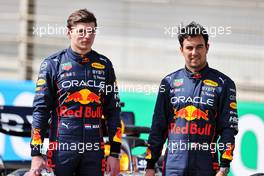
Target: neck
x=195, y=70
x=81, y=51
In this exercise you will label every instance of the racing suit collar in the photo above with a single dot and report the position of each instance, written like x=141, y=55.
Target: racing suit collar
x=196, y=75
x=80, y=58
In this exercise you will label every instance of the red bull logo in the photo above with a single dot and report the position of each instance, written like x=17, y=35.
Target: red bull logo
x=86, y=112
x=83, y=96
x=190, y=113
x=118, y=135
x=191, y=128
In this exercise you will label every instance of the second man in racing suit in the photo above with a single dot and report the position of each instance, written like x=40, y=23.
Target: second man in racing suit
x=195, y=106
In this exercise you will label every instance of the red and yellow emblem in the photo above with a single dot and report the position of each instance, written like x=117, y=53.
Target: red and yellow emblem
x=83, y=96
x=228, y=153
x=190, y=113
x=118, y=135
x=36, y=138
x=148, y=156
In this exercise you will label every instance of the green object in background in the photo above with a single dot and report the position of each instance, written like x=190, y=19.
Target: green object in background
x=141, y=104
x=249, y=157
x=249, y=154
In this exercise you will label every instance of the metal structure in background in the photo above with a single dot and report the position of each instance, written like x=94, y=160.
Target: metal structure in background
x=134, y=34
x=26, y=38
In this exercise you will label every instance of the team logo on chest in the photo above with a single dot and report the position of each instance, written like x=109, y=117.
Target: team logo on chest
x=190, y=113
x=83, y=96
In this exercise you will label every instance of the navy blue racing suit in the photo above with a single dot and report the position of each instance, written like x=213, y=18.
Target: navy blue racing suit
x=73, y=94
x=194, y=110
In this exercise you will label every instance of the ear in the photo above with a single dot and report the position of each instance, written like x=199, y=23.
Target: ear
x=181, y=49
x=207, y=47
x=68, y=33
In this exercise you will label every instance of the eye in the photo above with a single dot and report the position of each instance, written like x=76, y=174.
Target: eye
x=91, y=31
x=80, y=32
x=189, y=48
x=200, y=46
x=94, y=31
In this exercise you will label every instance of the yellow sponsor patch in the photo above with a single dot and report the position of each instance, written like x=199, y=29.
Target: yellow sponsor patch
x=41, y=82
x=106, y=149
x=98, y=65
x=209, y=82
x=233, y=105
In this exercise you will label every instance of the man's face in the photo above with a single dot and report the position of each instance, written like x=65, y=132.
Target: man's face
x=82, y=37
x=194, y=51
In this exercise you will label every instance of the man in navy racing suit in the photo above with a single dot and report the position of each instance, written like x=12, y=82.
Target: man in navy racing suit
x=74, y=91
x=195, y=107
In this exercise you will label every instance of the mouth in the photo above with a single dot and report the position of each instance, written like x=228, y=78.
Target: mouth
x=195, y=56
x=86, y=42
x=195, y=59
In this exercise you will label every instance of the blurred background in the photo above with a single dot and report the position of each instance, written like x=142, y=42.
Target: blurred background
x=140, y=38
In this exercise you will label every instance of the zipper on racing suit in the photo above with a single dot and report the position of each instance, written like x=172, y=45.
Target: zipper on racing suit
x=197, y=81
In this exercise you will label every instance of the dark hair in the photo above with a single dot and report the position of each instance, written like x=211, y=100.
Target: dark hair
x=192, y=30
x=82, y=15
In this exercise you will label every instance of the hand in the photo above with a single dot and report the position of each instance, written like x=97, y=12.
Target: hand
x=219, y=173
x=113, y=166
x=37, y=164
x=150, y=172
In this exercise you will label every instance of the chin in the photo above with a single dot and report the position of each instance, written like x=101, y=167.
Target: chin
x=195, y=65
x=85, y=47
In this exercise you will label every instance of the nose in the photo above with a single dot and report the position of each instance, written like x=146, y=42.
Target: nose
x=87, y=35
x=194, y=51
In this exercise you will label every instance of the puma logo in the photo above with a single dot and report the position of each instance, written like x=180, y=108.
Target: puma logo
x=66, y=125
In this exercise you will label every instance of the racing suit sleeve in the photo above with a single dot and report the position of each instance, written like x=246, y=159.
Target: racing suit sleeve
x=158, y=133
x=227, y=123
x=42, y=105
x=111, y=110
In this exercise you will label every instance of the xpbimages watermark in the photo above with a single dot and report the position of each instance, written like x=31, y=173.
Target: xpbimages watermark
x=146, y=89
x=212, y=31
x=58, y=30
x=80, y=147
x=174, y=146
